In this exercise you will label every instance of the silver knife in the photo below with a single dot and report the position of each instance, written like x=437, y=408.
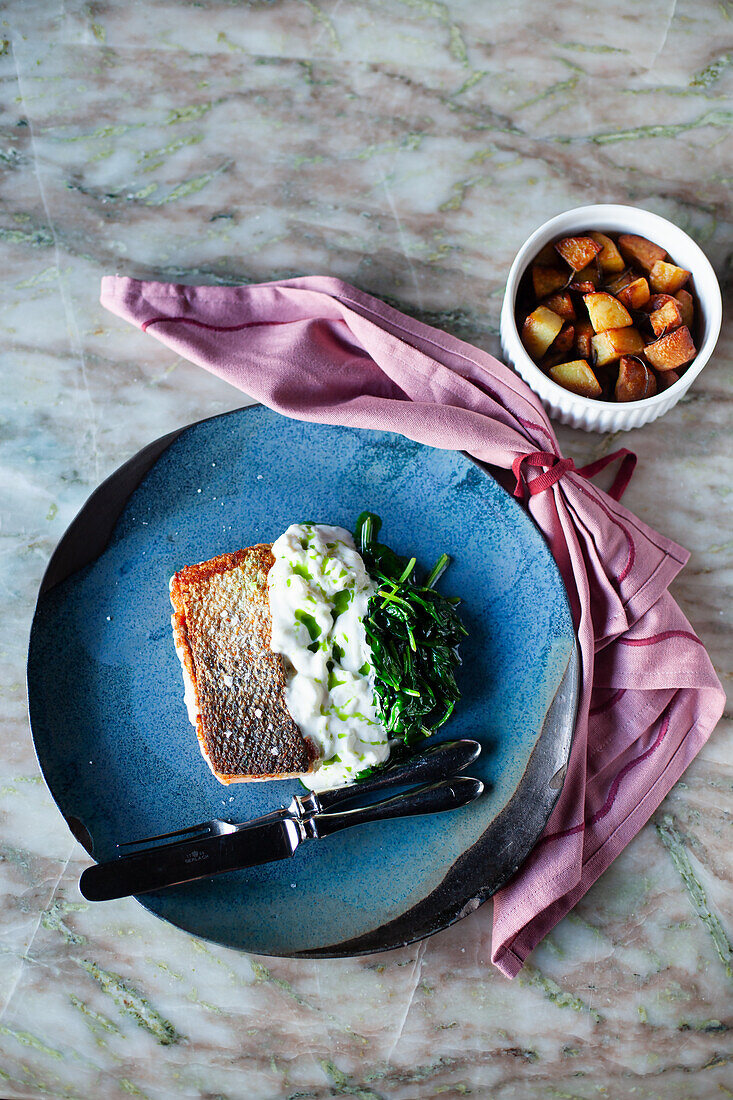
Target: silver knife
x=230, y=847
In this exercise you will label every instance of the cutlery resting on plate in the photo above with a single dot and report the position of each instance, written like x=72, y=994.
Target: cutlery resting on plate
x=215, y=847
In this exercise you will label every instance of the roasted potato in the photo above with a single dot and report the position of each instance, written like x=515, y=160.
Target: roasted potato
x=635, y=380
x=546, y=280
x=561, y=304
x=584, y=333
x=539, y=330
x=667, y=278
x=667, y=317
x=640, y=251
x=564, y=340
x=577, y=252
x=672, y=351
x=635, y=295
x=606, y=312
x=615, y=342
x=622, y=280
x=610, y=259
x=578, y=377
x=687, y=309
x=666, y=378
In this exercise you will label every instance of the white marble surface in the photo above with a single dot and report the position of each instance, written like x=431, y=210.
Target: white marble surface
x=408, y=146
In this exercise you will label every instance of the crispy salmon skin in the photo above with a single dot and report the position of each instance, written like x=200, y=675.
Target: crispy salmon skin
x=235, y=684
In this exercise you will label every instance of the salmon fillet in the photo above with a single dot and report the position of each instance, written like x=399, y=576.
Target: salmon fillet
x=235, y=684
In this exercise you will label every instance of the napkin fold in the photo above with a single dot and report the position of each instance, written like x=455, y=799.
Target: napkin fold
x=318, y=349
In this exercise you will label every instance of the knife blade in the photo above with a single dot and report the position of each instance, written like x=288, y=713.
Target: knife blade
x=255, y=843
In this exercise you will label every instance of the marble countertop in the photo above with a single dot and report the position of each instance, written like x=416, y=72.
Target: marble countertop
x=409, y=147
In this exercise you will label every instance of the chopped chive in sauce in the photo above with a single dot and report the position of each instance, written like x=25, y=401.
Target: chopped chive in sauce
x=310, y=624
x=341, y=602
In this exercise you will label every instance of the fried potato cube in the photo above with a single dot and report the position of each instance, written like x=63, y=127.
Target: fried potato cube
x=671, y=351
x=657, y=301
x=562, y=305
x=635, y=295
x=609, y=258
x=578, y=377
x=546, y=280
x=667, y=317
x=640, y=251
x=564, y=340
x=547, y=256
x=606, y=312
x=617, y=284
x=577, y=251
x=667, y=278
x=635, y=380
x=587, y=275
x=615, y=342
x=666, y=378
x=583, y=288
x=584, y=333
x=539, y=330
x=687, y=307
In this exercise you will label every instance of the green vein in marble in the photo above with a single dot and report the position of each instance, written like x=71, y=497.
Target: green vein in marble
x=559, y=86
x=431, y=9
x=132, y=1003
x=459, y=192
x=673, y=842
x=325, y=21
x=38, y=238
x=189, y=114
x=712, y=72
x=707, y=1026
x=32, y=1080
x=663, y=130
x=27, y=1039
x=128, y=1086
x=95, y=1020
x=223, y=39
x=457, y=44
x=530, y=976
x=471, y=81
x=158, y=156
x=340, y=1086
x=262, y=974
x=102, y=133
x=48, y=275
x=587, y=47
x=190, y=187
x=51, y=918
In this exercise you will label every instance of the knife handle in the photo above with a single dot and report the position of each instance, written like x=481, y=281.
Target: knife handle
x=155, y=868
x=438, y=762
x=447, y=795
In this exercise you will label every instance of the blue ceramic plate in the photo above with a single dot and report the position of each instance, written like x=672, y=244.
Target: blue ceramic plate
x=106, y=693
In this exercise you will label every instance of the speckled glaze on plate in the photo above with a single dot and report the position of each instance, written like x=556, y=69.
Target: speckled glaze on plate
x=106, y=693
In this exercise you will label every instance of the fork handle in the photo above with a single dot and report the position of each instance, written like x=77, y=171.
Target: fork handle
x=433, y=799
x=438, y=762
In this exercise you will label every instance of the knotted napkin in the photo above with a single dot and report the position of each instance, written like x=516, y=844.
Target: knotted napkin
x=318, y=349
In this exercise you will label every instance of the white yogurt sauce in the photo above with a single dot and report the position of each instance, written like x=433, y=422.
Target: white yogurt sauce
x=319, y=590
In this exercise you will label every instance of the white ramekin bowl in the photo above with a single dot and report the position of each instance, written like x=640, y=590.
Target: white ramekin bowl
x=585, y=412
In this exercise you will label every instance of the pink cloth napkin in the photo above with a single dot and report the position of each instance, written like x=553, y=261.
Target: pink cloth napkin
x=318, y=349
